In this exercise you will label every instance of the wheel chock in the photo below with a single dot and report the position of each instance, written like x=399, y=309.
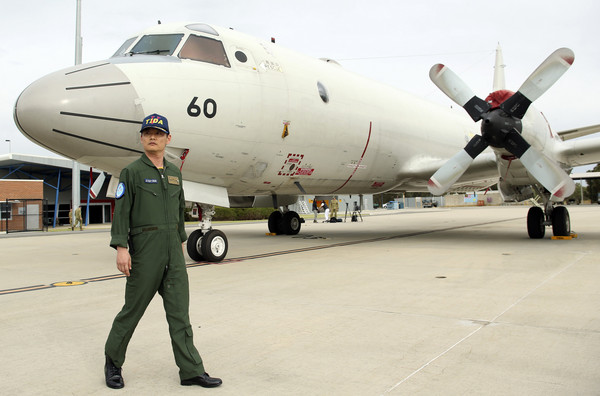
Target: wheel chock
x=571, y=236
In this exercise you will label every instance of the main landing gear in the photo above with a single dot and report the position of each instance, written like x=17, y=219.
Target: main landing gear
x=206, y=244
x=555, y=216
x=285, y=223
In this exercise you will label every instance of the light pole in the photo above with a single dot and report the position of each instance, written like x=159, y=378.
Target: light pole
x=9, y=147
x=75, y=178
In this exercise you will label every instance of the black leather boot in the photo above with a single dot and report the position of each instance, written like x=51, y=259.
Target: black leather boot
x=203, y=380
x=113, y=376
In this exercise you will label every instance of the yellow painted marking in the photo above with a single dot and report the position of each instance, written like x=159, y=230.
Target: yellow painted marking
x=562, y=237
x=69, y=283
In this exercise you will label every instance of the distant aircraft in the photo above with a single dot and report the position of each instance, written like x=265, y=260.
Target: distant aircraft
x=255, y=124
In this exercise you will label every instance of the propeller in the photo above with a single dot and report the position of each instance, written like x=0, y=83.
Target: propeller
x=501, y=126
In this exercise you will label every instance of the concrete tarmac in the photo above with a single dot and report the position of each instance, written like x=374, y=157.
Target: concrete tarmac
x=424, y=302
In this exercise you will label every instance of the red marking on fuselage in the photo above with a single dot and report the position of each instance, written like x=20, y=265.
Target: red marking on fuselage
x=359, y=161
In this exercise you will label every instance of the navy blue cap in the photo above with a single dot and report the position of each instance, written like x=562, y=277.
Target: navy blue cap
x=156, y=121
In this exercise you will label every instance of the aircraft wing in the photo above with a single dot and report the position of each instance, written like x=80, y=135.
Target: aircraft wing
x=578, y=132
x=579, y=152
x=482, y=173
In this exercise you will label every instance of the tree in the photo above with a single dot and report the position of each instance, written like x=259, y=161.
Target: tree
x=577, y=194
x=594, y=185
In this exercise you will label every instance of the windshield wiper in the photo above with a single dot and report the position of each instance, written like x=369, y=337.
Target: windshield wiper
x=157, y=52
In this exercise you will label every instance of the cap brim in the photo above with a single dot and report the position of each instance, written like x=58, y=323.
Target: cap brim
x=155, y=127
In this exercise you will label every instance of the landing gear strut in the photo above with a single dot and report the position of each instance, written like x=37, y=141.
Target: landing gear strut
x=206, y=244
x=555, y=216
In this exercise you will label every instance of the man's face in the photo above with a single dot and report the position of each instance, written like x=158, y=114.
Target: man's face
x=154, y=140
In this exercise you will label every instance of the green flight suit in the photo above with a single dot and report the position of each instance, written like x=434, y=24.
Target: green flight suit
x=149, y=214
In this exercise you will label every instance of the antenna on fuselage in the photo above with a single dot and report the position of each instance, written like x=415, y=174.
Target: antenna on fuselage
x=499, y=81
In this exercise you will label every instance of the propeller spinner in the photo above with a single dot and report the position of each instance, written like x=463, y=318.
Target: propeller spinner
x=501, y=126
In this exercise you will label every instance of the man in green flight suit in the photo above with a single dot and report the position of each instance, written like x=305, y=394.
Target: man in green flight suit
x=149, y=219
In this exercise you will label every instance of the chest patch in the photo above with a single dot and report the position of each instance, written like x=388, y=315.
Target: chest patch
x=173, y=180
x=150, y=181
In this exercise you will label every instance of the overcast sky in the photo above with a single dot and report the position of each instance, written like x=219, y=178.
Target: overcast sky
x=392, y=41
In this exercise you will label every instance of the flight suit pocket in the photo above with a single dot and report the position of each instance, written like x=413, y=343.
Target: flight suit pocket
x=148, y=207
x=189, y=343
x=141, y=243
x=148, y=191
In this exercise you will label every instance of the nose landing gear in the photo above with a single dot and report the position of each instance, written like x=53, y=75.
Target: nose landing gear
x=206, y=244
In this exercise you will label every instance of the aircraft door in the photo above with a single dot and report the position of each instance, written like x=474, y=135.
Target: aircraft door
x=249, y=94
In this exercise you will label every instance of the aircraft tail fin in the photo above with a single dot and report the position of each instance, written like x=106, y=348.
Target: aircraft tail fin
x=499, y=81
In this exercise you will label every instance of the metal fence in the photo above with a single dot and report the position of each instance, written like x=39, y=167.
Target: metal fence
x=18, y=215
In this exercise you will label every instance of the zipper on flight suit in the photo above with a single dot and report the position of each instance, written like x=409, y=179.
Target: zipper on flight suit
x=165, y=195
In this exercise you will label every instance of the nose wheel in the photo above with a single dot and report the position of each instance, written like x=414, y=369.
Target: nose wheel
x=210, y=246
x=206, y=244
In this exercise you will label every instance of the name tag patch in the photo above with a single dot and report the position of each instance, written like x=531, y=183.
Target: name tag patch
x=173, y=180
x=151, y=181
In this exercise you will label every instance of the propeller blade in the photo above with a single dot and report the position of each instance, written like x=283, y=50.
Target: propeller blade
x=458, y=91
x=452, y=170
x=549, y=174
x=545, y=170
x=539, y=82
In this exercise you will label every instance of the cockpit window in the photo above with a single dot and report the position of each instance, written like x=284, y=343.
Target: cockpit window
x=156, y=44
x=123, y=49
x=204, y=49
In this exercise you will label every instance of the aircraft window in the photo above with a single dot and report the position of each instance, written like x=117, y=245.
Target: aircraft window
x=323, y=92
x=124, y=47
x=202, y=28
x=204, y=49
x=157, y=44
x=240, y=56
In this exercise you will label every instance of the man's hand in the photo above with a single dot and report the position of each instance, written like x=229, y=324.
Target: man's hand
x=123, y=260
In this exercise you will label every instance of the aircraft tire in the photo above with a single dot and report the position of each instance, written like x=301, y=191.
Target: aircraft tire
x=535, y=223
x=561, y=221
x=290, y=223
x=214, y=246
x=194, y=246
x=275, y=222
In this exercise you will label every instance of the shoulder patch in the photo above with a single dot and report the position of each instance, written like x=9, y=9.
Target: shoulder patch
x=120, y=190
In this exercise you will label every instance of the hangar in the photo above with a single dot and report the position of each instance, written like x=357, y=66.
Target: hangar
x=56, y=174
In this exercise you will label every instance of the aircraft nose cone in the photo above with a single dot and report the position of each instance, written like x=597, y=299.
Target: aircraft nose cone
x=34, y=110
x=71, y=110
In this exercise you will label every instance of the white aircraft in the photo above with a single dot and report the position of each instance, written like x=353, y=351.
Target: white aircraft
x=255, y=124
